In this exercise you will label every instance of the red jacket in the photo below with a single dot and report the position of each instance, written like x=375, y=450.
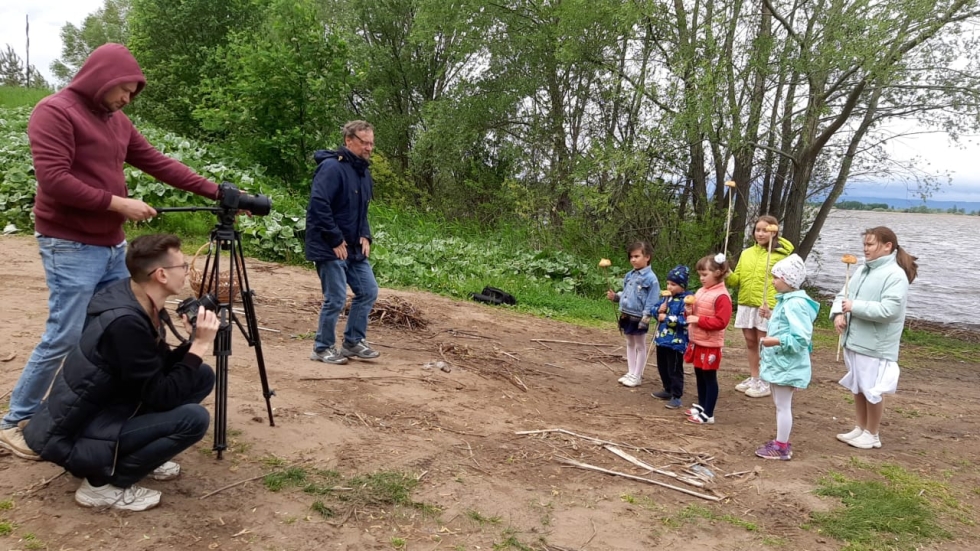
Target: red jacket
x=79, y=148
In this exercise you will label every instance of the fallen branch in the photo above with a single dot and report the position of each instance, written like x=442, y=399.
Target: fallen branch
x=35, y=487
x=639, y=478
x=542, y=341
x=642, y=465
x=240, y=482
x=352, y=377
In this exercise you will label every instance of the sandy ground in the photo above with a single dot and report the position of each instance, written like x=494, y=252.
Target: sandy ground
x=456, y=433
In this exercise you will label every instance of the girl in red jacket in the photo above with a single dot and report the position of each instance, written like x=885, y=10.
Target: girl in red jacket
x=709, y=316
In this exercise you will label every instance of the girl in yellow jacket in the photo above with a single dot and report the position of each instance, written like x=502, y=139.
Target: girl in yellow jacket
x=750, y=278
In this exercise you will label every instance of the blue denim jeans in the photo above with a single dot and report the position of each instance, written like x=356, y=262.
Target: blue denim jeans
x=335, y=276
x=74, y=272
x=151, y=439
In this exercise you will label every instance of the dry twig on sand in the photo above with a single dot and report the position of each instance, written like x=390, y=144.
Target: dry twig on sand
x=586, y=466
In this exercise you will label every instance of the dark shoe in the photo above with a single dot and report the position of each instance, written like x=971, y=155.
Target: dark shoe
x=329, y=356
x=674, y=403
x=661, y=394
x=359, y=350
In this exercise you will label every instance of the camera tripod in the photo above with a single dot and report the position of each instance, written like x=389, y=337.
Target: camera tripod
x=224, y=237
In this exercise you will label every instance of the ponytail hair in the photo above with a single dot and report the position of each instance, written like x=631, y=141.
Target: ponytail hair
x=906, y=261
x=714, y=263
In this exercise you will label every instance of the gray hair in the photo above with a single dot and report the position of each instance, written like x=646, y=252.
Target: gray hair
x=351, y=129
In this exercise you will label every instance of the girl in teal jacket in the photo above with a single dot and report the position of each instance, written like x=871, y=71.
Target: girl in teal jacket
x=870, y=318
x=785, y=353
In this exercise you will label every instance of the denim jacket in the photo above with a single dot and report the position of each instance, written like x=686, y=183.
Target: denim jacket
x=640, y=292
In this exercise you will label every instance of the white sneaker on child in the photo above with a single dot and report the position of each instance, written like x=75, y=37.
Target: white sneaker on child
x=632, y=381
x=623, y=379
x=745, y=385
x=759, y=389
x=865, y=441
x=846, y=437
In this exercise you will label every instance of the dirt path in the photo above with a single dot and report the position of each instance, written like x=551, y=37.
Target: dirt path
x=455, y=432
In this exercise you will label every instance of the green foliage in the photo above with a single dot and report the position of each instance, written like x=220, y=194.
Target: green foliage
x=277, y=90
x=175, y=44
x=293, y=476
x=14, y=72
x=6, y=527
x=107, y=24
x=18, y=96
x=17, y=181
x=882, y=515
x=858, y=205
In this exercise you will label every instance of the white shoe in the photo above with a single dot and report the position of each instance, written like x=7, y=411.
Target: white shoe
x=846, y=437
x=632, y=381
x=759, y=389
x=745, y=385
x=865, y=441
x=168, y=471
x=134, y=498
x=622, y=380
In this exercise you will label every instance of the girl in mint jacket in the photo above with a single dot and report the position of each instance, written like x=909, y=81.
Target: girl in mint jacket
x=870, y=318
x=785, y=352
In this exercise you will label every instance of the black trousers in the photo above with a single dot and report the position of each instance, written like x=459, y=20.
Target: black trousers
x=670, y=364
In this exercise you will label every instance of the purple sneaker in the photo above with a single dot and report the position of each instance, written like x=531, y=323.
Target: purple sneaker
x=771, y=450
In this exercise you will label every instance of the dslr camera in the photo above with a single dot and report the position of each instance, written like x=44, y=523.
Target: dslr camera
x=190, y=306
x=233, y=200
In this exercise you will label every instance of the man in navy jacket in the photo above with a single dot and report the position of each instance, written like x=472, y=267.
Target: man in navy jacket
x=338, y=241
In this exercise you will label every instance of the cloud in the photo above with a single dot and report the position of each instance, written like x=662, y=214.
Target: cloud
x=46, y=17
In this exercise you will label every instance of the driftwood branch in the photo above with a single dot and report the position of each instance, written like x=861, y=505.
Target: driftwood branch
x=588, y=467
x=542, y=341
x=642, y=465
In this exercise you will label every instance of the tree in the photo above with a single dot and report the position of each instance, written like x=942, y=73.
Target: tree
x=107, y=24
x=279, y=91
x=13, y=73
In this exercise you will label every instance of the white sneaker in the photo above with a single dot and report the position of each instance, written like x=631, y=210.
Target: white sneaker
x=759, y=389
x=622, y=380
x=745, y=385
x=846, y=437
x=134, y=498
x=865, y=441
x=12, y=439
x=632, y=381
x=168, y=471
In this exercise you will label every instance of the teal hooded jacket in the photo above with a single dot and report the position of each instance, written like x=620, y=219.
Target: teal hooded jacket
x=788, y=363
x=878, y=292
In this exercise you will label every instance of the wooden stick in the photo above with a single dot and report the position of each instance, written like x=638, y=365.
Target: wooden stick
x=840, y=338
x=240, y=482
x=728, y=219
x=358, y=377
x=571, y=342
x=586, y=466
x=35, y=487
x=643, y=465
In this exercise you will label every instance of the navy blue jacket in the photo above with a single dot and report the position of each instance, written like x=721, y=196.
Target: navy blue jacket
x=338, y=209
x=121, y=367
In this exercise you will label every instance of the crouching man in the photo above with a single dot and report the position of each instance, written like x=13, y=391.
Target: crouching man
x=124, y=404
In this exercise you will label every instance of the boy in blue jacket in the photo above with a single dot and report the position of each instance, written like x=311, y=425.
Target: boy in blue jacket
x=671, y=338
x=785, y=351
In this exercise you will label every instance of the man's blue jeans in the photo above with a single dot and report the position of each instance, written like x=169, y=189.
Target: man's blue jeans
x=335, y=276
x=74, y=272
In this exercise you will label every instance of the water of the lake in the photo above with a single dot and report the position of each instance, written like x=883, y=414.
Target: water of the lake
x=947, y=288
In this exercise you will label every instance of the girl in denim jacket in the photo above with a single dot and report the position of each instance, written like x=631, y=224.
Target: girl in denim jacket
x=640, y=293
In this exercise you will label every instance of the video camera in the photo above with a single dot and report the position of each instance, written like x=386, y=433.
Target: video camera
x=190, y=306
x=232, y=199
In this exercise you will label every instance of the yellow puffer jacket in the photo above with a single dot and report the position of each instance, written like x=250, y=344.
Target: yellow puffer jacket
x=750, y=273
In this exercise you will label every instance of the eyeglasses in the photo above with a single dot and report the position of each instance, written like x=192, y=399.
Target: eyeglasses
x=363, y=141
x=185, y=266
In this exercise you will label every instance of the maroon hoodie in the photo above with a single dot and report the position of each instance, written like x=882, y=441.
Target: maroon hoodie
x=79, y=148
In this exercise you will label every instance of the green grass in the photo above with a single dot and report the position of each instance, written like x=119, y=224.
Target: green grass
x=15, y=96
x=293, y=476
x=6, y=505
x=696, y=511
x=480, y=518
x=896, y=510
x=6, y=527
x=919, y=345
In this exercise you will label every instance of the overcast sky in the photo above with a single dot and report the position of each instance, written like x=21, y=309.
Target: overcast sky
x=48, y=16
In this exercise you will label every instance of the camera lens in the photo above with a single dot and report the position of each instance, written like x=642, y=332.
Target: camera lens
x=258, y=205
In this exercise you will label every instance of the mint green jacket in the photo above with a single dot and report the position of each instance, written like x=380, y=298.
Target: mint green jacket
x=878, y=291
x=788, y=363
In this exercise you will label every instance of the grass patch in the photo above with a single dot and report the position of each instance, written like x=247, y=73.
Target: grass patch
x=480, y=518
x=6, y=505
x=324, y=511
x=16, y=96
x=32, y=542
x=293, y=476
x=895, y=512
x=919, y=346
x=692, y=512
x=6, y=527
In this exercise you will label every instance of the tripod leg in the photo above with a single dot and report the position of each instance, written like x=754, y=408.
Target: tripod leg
x=251, y=322
x=222, y=349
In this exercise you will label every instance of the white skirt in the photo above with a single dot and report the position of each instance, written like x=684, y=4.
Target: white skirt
x=747, y=317
x=872, y=377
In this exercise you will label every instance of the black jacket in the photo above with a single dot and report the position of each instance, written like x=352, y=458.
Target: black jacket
x=121, y=367
x=338, y=209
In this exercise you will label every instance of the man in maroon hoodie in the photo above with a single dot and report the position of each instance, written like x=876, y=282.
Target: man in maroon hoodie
x=80, y=139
